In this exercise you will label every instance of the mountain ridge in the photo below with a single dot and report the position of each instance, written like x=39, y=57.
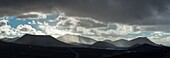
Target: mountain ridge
x=41, y=40
x=103, y=44
x=129, y=43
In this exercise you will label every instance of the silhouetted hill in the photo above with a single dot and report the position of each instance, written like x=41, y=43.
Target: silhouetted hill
x=41, y=40
x=120, y=43
x=144, y=47
x=142, y=40
x=102, y=44
x=68, y=38
x=145, y=51
x=81, y=45
x=126, y=43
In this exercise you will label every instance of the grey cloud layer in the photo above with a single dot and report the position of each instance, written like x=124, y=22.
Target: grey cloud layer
x=140, y=12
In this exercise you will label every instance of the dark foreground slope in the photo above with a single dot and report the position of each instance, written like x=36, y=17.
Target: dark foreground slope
x=145, y=51
x=161, y=53
x=31, y=46
x=12, y=50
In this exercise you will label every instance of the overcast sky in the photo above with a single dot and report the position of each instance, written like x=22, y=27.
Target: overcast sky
x=105, y=18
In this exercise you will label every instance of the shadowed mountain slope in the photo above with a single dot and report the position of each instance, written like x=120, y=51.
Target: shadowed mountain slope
x=68, y=38
x=126, y=43
x=142, y=40
x=119, y=43
x=41, y=40
x=102, y=44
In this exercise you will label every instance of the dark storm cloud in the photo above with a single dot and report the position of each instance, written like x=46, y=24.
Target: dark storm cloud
x=121, y=11
x=16, y=7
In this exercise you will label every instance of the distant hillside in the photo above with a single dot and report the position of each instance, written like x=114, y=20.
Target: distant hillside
x=41, y=40
x=119, y=43
x=126, y=43
x=10, y=39
x=145, y=51
x=68, y=38
x=144, y=47
x=102, y=44
x=142, y=40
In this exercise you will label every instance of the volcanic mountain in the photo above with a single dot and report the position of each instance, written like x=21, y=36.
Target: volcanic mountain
x=120, y=43
x=68, y=38
x=41, y=40
x=126, y=43
x=103, y=44
x=142, y=40
x=144, y=47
